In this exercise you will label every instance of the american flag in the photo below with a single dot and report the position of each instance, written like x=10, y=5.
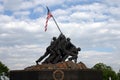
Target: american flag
x=49, y=15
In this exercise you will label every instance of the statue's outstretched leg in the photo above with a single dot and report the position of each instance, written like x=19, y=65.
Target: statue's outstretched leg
x=42, y=57
x=48, y=60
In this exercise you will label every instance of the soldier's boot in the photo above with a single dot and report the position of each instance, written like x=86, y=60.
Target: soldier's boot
x=36, y=62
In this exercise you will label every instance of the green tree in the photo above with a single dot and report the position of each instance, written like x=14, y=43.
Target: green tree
x=3, y=68
x=107, y=71
x=118, y=75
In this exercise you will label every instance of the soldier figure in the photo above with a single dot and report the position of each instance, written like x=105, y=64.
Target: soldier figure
x=56, y=57
x=59, y=50
x=70, y=50
x=49, y=50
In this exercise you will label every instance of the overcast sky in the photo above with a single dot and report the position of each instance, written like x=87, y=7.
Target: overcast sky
x=93, y=25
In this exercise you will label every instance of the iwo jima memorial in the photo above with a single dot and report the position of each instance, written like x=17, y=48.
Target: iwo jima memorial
x=59, y=62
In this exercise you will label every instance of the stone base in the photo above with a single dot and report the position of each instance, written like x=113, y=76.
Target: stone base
x=56, y=74
x=61, y=65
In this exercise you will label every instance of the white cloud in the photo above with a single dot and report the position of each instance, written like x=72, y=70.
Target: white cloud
x=61, y=12
x=27, y=5
x=4, y=19
x=20, y=56
x=112, y=2
x=4, y=34
x=115, y=11
x=1, y=8
x=22, y=13
x=23, y=5
x=93, y=57
x=10, y=23
x=38, y=9
x=83, y=13
x=94, y=7
x=79, y=15
x=12, y=5
x=49, y=2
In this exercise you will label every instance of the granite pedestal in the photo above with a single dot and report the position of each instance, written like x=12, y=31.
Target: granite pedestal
x=58, y=74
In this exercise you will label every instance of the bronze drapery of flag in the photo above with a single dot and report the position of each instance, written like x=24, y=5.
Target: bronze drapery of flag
x=49, y=15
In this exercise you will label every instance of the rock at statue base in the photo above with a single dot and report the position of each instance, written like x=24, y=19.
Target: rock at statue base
x=60, y=65
x=61, y=71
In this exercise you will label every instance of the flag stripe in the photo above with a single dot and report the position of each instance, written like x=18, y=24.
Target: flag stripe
x=49, y=15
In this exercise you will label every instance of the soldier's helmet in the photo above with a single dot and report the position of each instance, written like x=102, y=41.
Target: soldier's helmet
x=54, y=38
x=79, y=49
x=68, y=39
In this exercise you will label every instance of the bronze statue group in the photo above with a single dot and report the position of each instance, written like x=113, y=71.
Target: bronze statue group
x=59, y=50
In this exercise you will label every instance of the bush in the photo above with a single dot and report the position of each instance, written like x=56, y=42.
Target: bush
x=3, y=68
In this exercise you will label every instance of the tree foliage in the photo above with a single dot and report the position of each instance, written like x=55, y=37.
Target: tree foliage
x=3, y=68
x=118, y=75
x=107, y=71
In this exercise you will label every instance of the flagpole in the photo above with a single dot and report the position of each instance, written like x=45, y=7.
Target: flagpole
x=55, y=21
x=56, y=24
